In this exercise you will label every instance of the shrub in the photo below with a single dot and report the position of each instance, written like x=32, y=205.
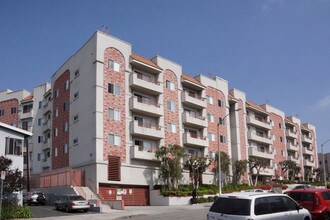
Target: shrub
x=11, y=210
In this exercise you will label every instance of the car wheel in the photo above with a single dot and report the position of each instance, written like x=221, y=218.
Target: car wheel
x=307, y=218
x=326, y=216
x=56, y=207
x=85, y=210
x=67, y=209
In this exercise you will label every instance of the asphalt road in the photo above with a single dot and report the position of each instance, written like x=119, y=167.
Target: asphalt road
x=49, y=211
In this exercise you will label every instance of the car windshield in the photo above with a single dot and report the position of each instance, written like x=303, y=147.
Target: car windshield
x=326, y=195
x=75, y=198
x=231, y=206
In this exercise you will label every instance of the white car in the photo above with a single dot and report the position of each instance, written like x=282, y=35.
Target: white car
x=256, y=206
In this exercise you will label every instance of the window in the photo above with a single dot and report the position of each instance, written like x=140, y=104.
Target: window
x=66, y=85
x=222, y=139
x=210, y=118
x=221, y=103
x=40, y=104
x=114, y=140
x=27, y=108
x=171, y=106
x=75, y=141
x=281, y=139
x=55, y=152
x=57, y=93
x=114, y=114
x=76, y=95
x=55, y=132
x=170, y=85
x=39, y=121
x=114, y=65
x=209, y=100
x=222, y=121
x=76, y=73
x=13, y=110
x=40, y=139
x=65, y=106
x=280, y=125
x=114, y=89
x=171, y=127
x=39, y=156
x=56, y=113
x=65, y=127
x=65, y=148
x=13, y=146
x=114, y=168
x=75, y=118
x=2, y=112
x=211, y=137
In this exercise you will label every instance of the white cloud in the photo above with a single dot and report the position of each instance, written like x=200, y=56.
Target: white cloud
x=324, y=102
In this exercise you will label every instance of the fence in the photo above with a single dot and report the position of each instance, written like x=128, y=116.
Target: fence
x=66, y=177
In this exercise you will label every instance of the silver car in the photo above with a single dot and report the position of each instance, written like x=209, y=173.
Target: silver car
x=256, y=206
x=72, y=202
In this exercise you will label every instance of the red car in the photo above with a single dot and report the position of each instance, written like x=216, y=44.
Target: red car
x=316, y=201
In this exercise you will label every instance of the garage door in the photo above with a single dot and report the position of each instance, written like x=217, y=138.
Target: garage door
x=132, y=195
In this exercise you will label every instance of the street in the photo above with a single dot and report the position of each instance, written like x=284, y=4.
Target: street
x=183, y=212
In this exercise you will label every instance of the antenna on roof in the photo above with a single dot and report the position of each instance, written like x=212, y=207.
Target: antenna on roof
x=105, y=29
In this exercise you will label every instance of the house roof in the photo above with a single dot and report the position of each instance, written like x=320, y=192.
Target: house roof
x=28, y=98
x=191, y=79
x=256, y=106
x=9, y=127
x=144, y=60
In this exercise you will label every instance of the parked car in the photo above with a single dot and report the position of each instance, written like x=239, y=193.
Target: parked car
x=302, y=187
x=72, y=202
x=317, y=201
x=257, y=206
x=34, y=198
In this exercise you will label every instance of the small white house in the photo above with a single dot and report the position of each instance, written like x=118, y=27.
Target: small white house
x=12, y=145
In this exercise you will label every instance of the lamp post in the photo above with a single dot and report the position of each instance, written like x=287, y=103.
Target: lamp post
x=324, y=177
x=219, y=154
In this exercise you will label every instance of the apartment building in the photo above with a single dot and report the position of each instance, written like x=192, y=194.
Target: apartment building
x=107, y=111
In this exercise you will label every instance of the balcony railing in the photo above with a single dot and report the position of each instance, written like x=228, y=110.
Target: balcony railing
x=292, y=146
x=258, y=122
x=254, y=151
x=146, y=84
x=309, y=163
x=150, y=107
x=252, y=135
x=307, y=150
x=193, y=100
x=194, y=120
x=291, y=133
x=307, y=139
x=144, y=153
x=195, y=140
x=149, y=130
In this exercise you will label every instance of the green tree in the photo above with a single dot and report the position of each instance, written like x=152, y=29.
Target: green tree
x=170, y=170
x=197, y=166
x=257, y=163
x=240, y=169
x=224, y=162
x=287, y=165
x=14, y=178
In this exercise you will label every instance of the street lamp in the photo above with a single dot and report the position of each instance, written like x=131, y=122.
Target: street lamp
x=324, y=177
x=219, y=154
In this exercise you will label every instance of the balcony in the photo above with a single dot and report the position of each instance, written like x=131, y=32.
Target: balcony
x=291, y=146
x=146, y=107
x=309, y=163
x=193, y=101
x=47, y=125
x=195, y=140
x=28, y=114
x=143, y=153
x=307, y=139
x=269, y=171
x=294, y=158
x=147, y=130
x=194, y=121
x=308, y=151
x=47, y=107
x=145, y=84
x=46, y=163
x=291, y=134
x=252, y=135
x=254, y=151
x=250, y=119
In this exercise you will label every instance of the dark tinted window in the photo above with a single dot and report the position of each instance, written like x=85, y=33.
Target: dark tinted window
x=326, y=195
x=231, y=206
x=276, y=204
x=75, y=198
x=302, y=196
x=289, y=204
x=261, y=206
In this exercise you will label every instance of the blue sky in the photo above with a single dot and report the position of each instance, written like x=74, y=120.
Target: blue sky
x=275, y=51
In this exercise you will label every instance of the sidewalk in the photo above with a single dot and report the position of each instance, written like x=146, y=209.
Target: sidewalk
x=130, y=211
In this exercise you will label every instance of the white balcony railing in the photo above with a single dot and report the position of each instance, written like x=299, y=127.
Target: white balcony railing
x=259, y=138
x=146, y=107
x=144, y=153
x=195, y=140
x=146, y=84
x=292, y=134
x=308, y=151
x=254, y=151
x=250, y=119
x=291, y=146
x=307, y=139
x=147, y=130
x=190, y=120
x=193, y=100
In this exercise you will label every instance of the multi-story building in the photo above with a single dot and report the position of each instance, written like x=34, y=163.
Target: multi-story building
x=109, y=110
